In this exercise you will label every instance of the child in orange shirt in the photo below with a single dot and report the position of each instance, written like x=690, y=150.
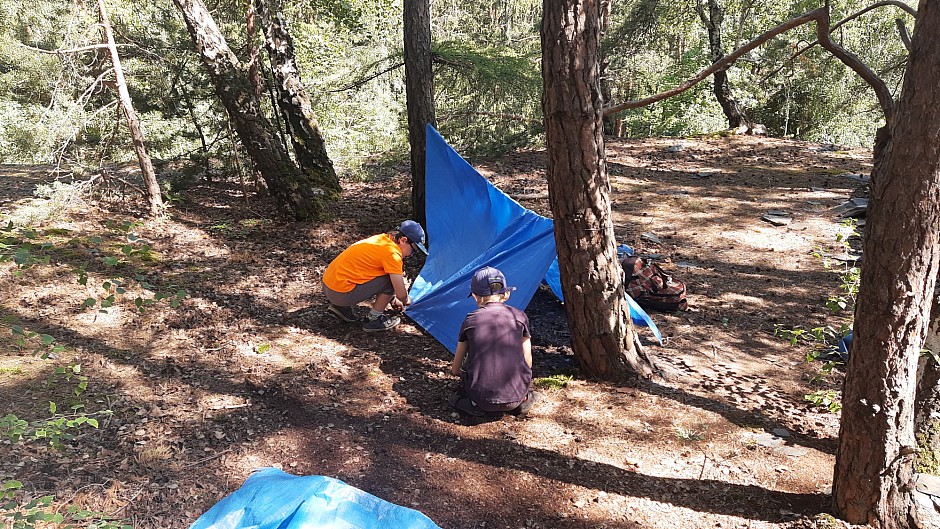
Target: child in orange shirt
x=370, y=268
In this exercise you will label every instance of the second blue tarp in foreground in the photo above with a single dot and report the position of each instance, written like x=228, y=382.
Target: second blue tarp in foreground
x=273, y=499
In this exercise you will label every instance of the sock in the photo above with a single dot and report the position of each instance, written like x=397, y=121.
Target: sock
x=373, y=314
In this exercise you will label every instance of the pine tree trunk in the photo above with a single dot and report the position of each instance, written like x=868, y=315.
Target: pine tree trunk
x=602, y=334
x=873, y=474
x=295, y=193
x=419, y=92
x=154, y=195
x=293, y=103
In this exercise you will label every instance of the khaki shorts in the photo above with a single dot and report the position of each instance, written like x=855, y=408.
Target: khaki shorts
x=367, y=290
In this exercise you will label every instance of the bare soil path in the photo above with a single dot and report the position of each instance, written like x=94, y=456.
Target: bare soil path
x=250, y=371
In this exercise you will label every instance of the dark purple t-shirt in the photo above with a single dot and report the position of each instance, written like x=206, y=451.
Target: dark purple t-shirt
x=495, y=370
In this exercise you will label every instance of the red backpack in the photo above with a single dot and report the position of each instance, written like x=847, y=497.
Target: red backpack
x=651, y=287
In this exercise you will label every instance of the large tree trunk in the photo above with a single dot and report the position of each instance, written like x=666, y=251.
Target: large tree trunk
x=293, y=190
x=873, y=474
x=721, y=87
x=419, y=95
x=154, y=195
x=292, y=100
x=602, y=335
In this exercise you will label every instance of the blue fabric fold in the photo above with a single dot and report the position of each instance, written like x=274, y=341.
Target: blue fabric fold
x=273, y=499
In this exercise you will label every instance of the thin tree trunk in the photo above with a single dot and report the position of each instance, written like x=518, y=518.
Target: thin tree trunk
x=154, y=196
x=293, y=190
x=419, y=95
x=602, y=333
x=293, y=103
x=721, y=86
x=873, y=474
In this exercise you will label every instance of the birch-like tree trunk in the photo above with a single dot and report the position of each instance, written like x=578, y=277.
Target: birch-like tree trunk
x=295, y=192
x=154, y=195
x=293, y=102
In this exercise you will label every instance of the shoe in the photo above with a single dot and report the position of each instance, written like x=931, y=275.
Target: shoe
x=530, y=399
x=381, y=323
x=344, y=313
x=465, y=405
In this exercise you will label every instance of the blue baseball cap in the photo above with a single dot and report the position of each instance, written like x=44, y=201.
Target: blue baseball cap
x=489, y=281
x=414, y=232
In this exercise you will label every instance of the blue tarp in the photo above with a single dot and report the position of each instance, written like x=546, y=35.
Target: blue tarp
x=471, y=224
x=272, y=499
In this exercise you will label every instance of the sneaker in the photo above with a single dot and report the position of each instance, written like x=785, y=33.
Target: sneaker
x=381, y=323
x=343, y=313
x=530, y=399
x=466, y=406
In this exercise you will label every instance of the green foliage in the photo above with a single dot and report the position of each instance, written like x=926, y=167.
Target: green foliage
x=825, y=344
x=849, y=274
x=688, y=435
x=21, y=246
x=488, y=97
x=54, y=430
x=23, y=513
x=41, y=345
x=125, y=278
x=828, y=399
x=487, y=82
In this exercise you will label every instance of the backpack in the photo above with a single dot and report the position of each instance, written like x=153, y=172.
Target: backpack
x=651, y=287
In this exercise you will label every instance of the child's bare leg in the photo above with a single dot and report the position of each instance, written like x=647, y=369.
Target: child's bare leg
x=381, y=302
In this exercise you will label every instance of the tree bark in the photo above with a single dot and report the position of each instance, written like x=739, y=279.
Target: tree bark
x=154, y=195
x=293, y=103
x=294, y=191
x=873, y=474
x=602, y=333
x=721, y=87
x=419, y=95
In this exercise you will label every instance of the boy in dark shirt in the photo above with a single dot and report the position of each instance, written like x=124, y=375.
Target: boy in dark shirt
x=494, y=352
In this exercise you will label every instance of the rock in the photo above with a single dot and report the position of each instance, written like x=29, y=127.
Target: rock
x=777, y=218
x=855, y=208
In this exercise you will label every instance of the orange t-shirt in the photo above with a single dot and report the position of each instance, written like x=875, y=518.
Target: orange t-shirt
x=364, y=261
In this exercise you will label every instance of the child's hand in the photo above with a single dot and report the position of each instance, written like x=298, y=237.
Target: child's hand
x=397, y=305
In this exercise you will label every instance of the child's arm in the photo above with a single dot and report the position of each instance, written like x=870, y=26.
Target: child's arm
x=458, y=358
x=526, y=350
x=401, y=291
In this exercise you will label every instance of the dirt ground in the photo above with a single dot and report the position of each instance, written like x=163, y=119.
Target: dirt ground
x=249, y=370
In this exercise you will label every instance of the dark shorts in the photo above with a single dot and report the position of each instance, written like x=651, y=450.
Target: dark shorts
x=367, y=290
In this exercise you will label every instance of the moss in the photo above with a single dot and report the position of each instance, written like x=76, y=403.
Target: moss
x=928, y=457
x=552, y=382
x=825, y=520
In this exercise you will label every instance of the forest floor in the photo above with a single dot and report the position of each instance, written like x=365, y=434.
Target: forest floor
x=250, y=371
